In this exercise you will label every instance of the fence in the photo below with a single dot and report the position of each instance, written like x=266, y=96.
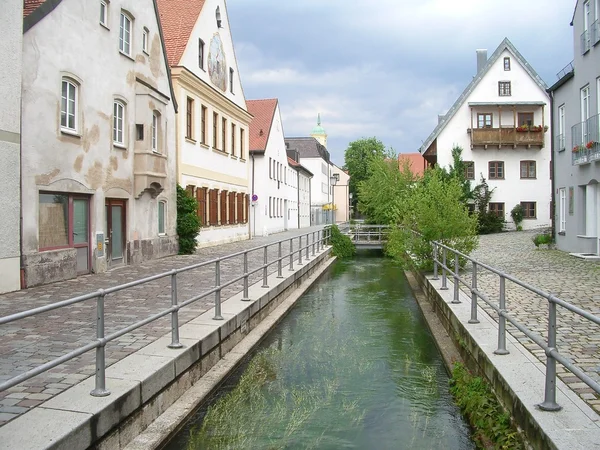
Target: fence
x=549, y=345
x=318, y=238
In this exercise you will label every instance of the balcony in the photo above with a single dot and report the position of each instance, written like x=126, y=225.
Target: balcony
x=565, y=71
x=585, y=140
x=595, y=32
x=586, y=42
x=150, y=173
x=506, y=136
x=559, y=142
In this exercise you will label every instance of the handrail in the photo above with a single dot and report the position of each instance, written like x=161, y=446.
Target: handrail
x=320, y=238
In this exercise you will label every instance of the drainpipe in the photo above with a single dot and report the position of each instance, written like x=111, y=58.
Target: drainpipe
x=552, y=168
x=253, y=212
x=298, y=203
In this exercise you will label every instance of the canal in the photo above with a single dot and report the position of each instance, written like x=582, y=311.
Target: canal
x=353, y=365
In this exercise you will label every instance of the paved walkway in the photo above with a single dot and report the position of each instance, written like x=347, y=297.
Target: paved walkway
x=574, y=280
x=30, y=342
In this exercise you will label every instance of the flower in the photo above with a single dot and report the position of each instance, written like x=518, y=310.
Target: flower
x=589, y=145
x=578, y=148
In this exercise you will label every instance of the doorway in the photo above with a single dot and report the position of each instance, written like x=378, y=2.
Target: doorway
x=115, y=232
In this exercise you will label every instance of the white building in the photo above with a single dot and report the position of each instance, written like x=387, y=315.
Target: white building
x=11, y=24
x=213, y=123
x=502, y=122
x=302, y=188
x=98, y=141
x=341, y=195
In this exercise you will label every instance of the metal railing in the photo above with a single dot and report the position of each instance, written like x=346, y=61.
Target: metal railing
x=452, y=257
x=585, y=139
x=565, y=70
x=367, y=234
x=585, y=42
x=595, y=31
x=560, y=142
x=308, y=243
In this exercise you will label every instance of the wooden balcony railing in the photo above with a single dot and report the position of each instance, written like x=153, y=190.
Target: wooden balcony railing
x=505, y=136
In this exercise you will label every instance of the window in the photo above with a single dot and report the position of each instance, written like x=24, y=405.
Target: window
x=125, y=34
x=497, y=209
x=242, y=141
x=270, y=213
x=232, y=218
x=562, y=210
x=118, y=123
x=527, y=169
x=231, y=72
x=504, y=88
x=496, y=170
x=201, y=54
x=240, y=208
x=68, y=105
x=232, y=139
x=585, y=113
x=215, y=129
x=469, y=170
x=139, y=132
x=201, y=197
x=507, y=63
x=525, y=118
x=529, y=210
x=53, y=221
x=162, y=206
x=218, y=16
x=224, y=208
x=155, y=132
x=561, y=127
x=571, y=200
x=270, y=172
x=145, y=40
x=484, y=120
x=104, y=13
x=213, y=205
x=203, y=124
x=224, y=134
x=189, y=119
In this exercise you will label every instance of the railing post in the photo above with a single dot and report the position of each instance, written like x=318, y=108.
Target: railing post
x=100, y=385
x=502, y=320
x=549, y=403
x=319, y=241
x=245, y=295
x=456, y=286
x=299, y=250
x=474, y=295
x=313, y=244
x=444, y=276
x=175, y=314
x=435, y=263
x=218, y=315
x=265, y=269
x=291, y=255
x=279, y=262
x=307, y=246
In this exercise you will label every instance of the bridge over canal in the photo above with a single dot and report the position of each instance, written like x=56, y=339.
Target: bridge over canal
x=366, y=237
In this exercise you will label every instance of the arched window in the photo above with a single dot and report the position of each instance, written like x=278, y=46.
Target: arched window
x=69, y=104
x=125, y=34
x=156, y=131
x=119, y=123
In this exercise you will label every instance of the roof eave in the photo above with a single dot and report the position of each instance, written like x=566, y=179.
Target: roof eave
x=562, y=81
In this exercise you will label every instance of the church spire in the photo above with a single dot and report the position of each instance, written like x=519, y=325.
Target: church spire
x=319, y=132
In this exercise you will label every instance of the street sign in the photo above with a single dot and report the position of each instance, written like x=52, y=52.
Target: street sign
x=254, y=197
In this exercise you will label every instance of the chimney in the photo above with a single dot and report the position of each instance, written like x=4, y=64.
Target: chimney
x=481, y=59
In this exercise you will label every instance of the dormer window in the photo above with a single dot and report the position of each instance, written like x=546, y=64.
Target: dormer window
x=507, y=63
x=218, y=16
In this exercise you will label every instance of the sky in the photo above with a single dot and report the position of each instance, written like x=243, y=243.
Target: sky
x=384, y=68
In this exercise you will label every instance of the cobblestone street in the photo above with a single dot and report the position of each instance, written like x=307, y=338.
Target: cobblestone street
x=571, y=279
x=27, y=343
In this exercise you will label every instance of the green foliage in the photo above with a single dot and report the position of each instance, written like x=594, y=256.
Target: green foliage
x=540, y=239
x=188, y=222
x=342, y=244
x=517, y=214
x=487, y=221
x=457, y=170
x=492, y=425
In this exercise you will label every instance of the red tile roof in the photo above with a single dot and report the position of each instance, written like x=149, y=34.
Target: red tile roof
x=293, y=163
x=30, y=6
x=178, y=18
x=416, y=162
x=260, y=127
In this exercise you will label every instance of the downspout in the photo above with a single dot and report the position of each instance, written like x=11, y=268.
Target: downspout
x=298, y=192
x=253, y=212
x=552, y=168
x=310, y=202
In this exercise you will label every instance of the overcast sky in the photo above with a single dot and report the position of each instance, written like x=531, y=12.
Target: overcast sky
x=384, y=68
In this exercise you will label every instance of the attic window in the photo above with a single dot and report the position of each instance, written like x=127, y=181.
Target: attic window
x=507, y=63
x=218, y=16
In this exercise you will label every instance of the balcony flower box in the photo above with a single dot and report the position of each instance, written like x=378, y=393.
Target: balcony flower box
x=578, y=148
x=532, y=128
x=590, y=145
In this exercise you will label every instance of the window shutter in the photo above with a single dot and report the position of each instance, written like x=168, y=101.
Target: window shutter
x=224, y=208
x=232, y=219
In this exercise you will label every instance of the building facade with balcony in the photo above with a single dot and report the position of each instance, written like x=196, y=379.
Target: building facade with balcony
x=98, y=142
x=502, y=123
x=213, y=121
x=576, y=141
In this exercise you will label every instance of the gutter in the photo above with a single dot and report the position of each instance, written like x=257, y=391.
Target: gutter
x=552, y=168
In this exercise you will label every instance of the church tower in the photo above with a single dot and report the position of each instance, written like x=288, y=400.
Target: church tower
x=319, y=132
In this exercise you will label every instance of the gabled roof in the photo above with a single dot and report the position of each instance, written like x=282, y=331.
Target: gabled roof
x=416, y=162
x=298, y=166
x=260, y=127
x=307, y=147
x=178, y=18
x=504, y=45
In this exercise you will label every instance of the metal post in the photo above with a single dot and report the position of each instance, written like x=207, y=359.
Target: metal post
x=279, y=263
x=291, y=255
x=307, y=246
x=474, y=295
x=100, y=386
x=218, y=315
x=502, y=320
x=456, y=286
x=245, y=295
x=265, y=269
x=435, y=263
x=444, y=277
x=313, y=244
x=175, y=314
x=300, y=250
x=549, y=403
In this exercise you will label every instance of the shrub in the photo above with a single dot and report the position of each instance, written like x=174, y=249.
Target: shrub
x=188, y=222
x=342, y=244
x=517, y=214
x=489, y=222
x=540, y=239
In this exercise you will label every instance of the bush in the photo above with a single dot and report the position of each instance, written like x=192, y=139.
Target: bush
x=342, y=244
x=489, y=222
x=188, y=222
x=540, y=239
x=517, y=214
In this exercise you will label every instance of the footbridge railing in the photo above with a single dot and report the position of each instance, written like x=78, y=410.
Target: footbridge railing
x=366, y=236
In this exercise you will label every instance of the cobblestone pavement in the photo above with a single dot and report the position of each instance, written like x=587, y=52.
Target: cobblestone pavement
x=27, y=343
x=571, y=279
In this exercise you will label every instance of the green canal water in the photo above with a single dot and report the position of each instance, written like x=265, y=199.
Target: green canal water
x=353, y=365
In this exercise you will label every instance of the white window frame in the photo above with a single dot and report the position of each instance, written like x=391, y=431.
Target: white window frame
x=561, y=127
x=585, y=111
x=586, y=15
x=119, y=112
x=145, y=37
x=562, y=210
x=163, y=204
x=125, y=33
x=155, y=130
x=104, y=17
x=66, y=101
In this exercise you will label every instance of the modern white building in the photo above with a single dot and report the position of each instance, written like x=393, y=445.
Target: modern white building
x=11, y=24
x=98, y=138
x=213, y=121
x=303, y=187
x=502, y=123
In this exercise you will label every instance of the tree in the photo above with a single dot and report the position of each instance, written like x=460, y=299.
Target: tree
x=457, y=170
x=188, y=222
x=487, y=221
x=357, y=159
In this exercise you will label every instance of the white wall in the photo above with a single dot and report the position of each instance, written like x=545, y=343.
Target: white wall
x=304, y=192
x=341, y=195
x=512, y=189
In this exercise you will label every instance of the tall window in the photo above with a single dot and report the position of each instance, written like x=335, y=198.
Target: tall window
x=562, y=210
x=103, y=13
x=506, y=63
x=203, y=124
x=224, y=208
x=201, y=197
x=215, y=129
x=528, y=169
x=484, y=120
x=162, y=207
x=270, y=169
x=496, y=170
x=145, y=40
x=585, y=113
x=232, y=218
x=242, y=141
x=68, y=105
x=529, y=210
x=561, y=127
x=224, y=134
x=231, y=73
x=232, y=139
x=189, y=119
x=118, y=123
x=125, y=34
x=571, y=200
x=525, y=118
x=497, y=208
x=469, y=170
x=213, y=206
x=504, y=88
x=155, y=132
x=201, y=53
